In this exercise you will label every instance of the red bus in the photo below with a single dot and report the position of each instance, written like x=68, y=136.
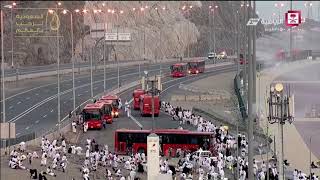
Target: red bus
x=179, y=70
x=136, y=98
x=196, y=66
x=127, y=141
x=115, y=104
x=92, y=113
x=107, y=109
x=146, y=105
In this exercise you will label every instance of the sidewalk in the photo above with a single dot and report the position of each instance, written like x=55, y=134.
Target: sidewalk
x=295, y=149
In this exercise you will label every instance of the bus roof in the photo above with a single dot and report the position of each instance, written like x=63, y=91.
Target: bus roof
x=104, y=101
x=94, y=106
x=179, y=64
x=165, y=131
x=196, y=61
x=138, y=90
x=111, y=97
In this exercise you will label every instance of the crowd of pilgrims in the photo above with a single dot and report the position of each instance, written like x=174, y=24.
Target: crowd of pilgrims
x=223, y=156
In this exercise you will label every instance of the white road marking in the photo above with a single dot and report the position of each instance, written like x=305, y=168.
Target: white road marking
x=79, y=81
x=79, y=95
x=86, y=91
x=51, y=110
x=17, y=134
x=37, y=121
x=27, y=127
x=65, y=102
x=19, y=102
x=95, y=88
x=130, y=101
x=37, y=94
x=44, y=116
x=136, y=121
x=10, y=107
x=27, y=98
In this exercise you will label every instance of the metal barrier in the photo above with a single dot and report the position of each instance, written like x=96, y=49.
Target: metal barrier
x=237, y=88
x=24, y=138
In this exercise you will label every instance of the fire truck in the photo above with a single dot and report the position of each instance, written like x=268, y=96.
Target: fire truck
x=146, y=105
x=196, y=66
x=115, y=104
x=92, y=114
x=107, y=109
x=136, y=98
x=179, y=70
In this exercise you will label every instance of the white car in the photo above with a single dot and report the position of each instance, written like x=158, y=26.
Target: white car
x=212, y=55
x=222, y=55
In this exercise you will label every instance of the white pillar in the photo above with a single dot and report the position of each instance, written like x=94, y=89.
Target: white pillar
x=153, y=156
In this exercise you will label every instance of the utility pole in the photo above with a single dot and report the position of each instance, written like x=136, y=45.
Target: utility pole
x=214, y=32
x=236, y=41
x=250, y=100
x=210, y=31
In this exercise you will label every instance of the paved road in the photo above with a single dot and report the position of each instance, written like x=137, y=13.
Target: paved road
x=36, y=109
x=106, y=136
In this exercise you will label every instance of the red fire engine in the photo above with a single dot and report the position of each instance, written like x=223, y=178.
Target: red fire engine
x=115, y=104
x=107, y=116
x=146, y=105
x=92, y=114
x=179, y=70
x=196, y=66
x=136, y=98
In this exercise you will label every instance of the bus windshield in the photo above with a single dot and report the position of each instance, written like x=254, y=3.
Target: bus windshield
x=176, y=68
x=92, y=114
x=108, y=109
x=193, y=65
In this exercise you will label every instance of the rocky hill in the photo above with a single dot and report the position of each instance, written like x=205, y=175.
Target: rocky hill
x=162, y=30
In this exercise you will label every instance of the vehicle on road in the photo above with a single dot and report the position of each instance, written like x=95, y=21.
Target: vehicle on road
x=196, y=66
x=179, y=70
x=212, y=55
x=242, y=59
x=107, y=109
x=92, y=114
x=127, y=141
x=146, y=105
x=136, y=98
x=115, y=104
x=222, y=55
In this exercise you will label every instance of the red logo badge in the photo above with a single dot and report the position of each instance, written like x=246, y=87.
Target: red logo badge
x=293, y=18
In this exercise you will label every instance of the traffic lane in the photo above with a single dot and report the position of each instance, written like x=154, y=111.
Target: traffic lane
x=22, y=104
x=309, y=129
x=65, y=106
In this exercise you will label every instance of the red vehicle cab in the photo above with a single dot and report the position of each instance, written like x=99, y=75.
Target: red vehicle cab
x=179, y=70
x=146, y=105
x=242, y=60
x=107, y=109
x=196, y=66
x=92, y=114
x=115, y=104
x=127, y=141
x=136, y=98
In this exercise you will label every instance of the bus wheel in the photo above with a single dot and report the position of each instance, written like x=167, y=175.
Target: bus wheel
x=156, y=115
x=141, y=150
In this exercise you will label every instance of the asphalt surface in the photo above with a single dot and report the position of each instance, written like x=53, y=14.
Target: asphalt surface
x=164, y=121
x=52, y=67
x=35, y=109
x=305, y=85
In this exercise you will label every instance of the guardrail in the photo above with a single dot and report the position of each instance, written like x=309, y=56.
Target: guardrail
x=241, y=101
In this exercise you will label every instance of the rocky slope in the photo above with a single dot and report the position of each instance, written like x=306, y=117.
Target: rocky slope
x=167, y=31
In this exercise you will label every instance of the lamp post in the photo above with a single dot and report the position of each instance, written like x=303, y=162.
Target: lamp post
x=72, y=57
x=2, y=72
x=310, y=143
x=279, y=112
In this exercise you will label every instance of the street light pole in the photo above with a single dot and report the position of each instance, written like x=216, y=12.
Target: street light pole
x=72, y=58
x=58, y=72
x=2, y=72
x=91, y=73
x=254, y=61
